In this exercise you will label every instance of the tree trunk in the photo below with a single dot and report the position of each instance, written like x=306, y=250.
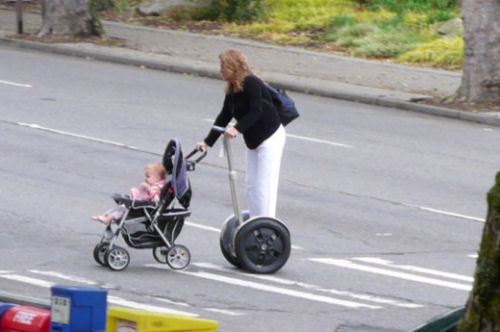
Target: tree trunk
x=483, y=307
x=481, y=77
x=69, y=17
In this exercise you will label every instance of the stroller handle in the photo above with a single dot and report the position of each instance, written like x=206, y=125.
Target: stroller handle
x=190, y=164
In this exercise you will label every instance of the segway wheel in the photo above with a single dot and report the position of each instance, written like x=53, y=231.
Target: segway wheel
x=99, y=253
x=117, y=258
x=226, y=238
x=160, y=254
x=178, y=257
x=262, y=245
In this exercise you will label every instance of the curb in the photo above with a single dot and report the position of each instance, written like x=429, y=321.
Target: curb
x=24, y=300
x=289, y=83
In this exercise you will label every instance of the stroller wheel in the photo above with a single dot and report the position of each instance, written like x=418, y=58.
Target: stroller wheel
x=160, y=254
x=117, y=258
x=262, y=245
x=99, y=252
x=178, y=257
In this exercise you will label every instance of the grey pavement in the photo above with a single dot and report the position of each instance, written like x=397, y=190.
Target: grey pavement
x=328, y=75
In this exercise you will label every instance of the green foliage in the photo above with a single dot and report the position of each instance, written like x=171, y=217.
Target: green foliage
x=444, y=51
x=121, y=7
x=388, y=44
x=350, y=35
x=402, y=30
x=399, y=6
x=232, y=10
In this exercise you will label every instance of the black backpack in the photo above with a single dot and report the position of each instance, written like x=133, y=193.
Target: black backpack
x=284, y=104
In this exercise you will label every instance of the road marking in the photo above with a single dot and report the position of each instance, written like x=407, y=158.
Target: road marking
x=225, y=312
x=316, y=140
x=472, y=255
x=66, y=133
x=401, y=275
x=272, y=289
x=132, y=304
x=207, y=228
x=28, y=280
x=304, y=138
x=182, y=304
x=412, y=268
x=65, y=277
x=447, y=213
x=21, y=85
x=364, y=297
x=111, y=299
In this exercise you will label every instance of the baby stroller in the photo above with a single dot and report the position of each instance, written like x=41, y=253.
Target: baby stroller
x=153, y=225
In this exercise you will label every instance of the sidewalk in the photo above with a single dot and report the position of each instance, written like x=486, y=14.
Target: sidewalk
x=294, y=69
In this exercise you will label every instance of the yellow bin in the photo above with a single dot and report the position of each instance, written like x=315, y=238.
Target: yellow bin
x=133, y=320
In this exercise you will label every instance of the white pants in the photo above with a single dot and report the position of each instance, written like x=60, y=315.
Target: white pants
x=262, y=174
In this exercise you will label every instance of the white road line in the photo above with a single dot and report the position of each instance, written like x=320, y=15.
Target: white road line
x=182, y=304
x=412, y=268
x=472, y=256
x=65, y=277
x=207, y=228
x=363, y=297
x=316, y=140
x=28, y=280
x=447, y=213
x=406, y=276
x=21, y=85
x=272, y=289
x=136, y=305
x=309, y=139
x=65, y=133
x=225, y=312
x=111, y=299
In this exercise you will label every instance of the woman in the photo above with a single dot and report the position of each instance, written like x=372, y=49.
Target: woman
x=248, y=101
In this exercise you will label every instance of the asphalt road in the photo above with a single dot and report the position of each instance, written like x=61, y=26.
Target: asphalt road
x=385, y=207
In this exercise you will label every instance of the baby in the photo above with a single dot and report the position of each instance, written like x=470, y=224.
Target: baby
x=149, y=190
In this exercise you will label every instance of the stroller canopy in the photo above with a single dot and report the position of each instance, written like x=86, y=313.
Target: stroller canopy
x=175, y=165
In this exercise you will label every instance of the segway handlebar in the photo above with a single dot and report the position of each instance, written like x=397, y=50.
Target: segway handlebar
x=232, y=173
x=219, y=129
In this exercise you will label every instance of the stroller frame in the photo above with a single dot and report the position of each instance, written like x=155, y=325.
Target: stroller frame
x=151, y=225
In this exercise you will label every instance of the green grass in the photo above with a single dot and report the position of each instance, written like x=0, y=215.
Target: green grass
x=399, y=30
x=447, y=52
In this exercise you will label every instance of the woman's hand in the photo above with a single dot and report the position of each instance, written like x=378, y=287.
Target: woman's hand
x=201, y=145
x=231, y=132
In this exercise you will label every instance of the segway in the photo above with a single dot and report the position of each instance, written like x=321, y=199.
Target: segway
x=259, y=244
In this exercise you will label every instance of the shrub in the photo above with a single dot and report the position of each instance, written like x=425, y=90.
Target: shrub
x=387, y=44
x=414, y=20
x=444, y=51
x=232, y=10
x=381, y=16
x=350, y=34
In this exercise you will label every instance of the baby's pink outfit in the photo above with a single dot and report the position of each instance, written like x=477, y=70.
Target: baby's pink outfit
x=138, y=194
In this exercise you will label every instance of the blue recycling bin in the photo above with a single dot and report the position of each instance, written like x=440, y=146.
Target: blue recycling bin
x=78, y=309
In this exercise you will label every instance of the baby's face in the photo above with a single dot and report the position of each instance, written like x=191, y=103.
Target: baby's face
x=152, y=177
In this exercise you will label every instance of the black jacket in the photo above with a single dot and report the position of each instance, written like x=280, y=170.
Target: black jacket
x=253, y=109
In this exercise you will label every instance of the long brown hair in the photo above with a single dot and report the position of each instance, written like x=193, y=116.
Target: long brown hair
x=236, y=64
